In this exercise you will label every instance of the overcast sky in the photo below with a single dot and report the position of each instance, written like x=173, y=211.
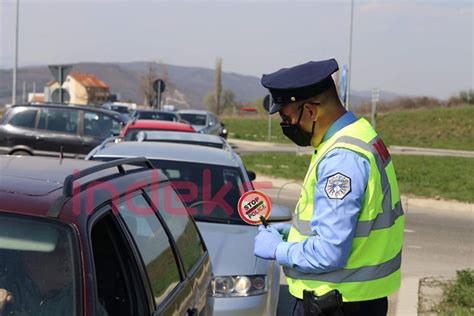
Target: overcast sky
x=408, y=47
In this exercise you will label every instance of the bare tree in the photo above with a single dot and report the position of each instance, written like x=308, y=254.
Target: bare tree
x=218, y=83
x=146, y=84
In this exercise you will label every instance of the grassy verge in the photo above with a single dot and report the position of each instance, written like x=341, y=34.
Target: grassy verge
x=448, y=128
x=433, y=177
x=459, y=295
x=255, y=129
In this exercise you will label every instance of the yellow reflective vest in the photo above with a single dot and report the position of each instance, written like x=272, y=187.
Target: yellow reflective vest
x=373, y=268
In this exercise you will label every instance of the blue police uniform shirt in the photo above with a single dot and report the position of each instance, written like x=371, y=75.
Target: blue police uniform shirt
x=334, y=220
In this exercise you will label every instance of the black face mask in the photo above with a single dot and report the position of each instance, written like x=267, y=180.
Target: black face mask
x=296, y=133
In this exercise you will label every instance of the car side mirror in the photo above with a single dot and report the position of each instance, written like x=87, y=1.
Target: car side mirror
x=252, y=175
x=211, y=123
x=280, y=213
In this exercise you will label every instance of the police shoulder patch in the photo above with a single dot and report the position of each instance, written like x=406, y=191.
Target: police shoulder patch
x=338, y=186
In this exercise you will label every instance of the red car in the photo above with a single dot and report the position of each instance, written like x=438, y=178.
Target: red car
x=131, y=130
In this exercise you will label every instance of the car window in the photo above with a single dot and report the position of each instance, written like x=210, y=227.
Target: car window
x=176, y=216
x=154, y=245
x=152, y=115
x=133, y=133
x=120, y=288
x=194, y=119
x=213, y=119
x=58, y=120
x=119, y=108
x=100, y=125
x=25, y=118
x=39, y=266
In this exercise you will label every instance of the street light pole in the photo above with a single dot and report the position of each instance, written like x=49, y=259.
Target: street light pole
x=16, y=53
x=350, y=60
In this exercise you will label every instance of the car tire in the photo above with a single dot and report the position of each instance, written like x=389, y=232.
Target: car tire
x=21, y=153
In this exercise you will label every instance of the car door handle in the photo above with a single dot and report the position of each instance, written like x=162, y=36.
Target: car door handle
x=192, y=311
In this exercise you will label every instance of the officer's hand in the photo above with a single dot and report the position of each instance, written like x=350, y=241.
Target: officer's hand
x=266, y=242
x=283, y=229
x=5, y=298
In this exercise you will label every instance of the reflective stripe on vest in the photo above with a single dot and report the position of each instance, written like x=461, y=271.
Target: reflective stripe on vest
x=351, y=275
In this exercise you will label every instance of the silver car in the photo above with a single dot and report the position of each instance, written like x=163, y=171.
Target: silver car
x=204, y=122
x=211, y=181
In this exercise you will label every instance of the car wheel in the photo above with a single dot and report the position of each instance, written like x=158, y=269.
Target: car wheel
x=21, y=153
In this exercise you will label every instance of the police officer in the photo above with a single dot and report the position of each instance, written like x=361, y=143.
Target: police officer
x=342, y=256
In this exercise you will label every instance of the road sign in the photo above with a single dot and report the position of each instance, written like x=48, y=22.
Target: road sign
x=60, y=96
x=60, y=72
x=159, y=86
x=266, y=102
x=253, y=206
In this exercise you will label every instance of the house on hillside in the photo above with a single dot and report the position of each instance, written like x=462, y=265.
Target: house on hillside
x=83, y=89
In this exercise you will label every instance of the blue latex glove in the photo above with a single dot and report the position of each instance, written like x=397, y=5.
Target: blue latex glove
x=283, y=229
x=266, y=242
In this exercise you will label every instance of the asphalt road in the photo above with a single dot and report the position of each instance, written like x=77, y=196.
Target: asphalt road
x=437, y=242
x=244, y=146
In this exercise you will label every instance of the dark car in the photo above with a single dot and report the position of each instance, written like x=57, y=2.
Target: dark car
x=87, y=238
x=46, y=129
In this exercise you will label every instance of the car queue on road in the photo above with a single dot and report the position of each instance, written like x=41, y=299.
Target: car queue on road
x=145, y=226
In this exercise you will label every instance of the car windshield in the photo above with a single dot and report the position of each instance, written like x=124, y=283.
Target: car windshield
x=211, y=192
x=132, y=133
x=153, y=115
x=38, y=266
x=119, y=108
x=194, y=119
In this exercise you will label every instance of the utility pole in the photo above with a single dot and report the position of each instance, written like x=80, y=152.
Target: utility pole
x=15, y=68
x=350, y=60
x=218, y=85
x=23, y=96
x=373, y=112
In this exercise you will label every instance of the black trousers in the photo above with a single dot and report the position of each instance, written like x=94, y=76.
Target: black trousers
x=378, y=307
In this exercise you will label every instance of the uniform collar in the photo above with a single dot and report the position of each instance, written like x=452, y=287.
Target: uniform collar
x=346, y=119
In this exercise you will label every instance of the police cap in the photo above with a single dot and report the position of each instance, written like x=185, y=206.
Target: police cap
x=299, y=83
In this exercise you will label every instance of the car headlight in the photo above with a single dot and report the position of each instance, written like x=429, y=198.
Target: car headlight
x=240, y=285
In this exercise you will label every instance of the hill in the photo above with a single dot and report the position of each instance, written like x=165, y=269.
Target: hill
x=194, y=82
x=124, y=79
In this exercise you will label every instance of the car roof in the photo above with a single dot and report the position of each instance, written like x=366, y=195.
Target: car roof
x=182, y=136
x=73, y=106
x=41, y=178
x=159, y=124
x=156, y=111
x=172, y=152
x=194, y=112
x=34, y=185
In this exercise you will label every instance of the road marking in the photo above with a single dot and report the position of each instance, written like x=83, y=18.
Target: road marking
x=415, y=247
x=409, y=231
